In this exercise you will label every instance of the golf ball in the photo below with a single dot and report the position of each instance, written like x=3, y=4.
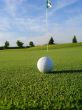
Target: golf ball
x=45, y=64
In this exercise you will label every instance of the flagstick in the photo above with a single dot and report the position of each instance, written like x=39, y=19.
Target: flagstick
x=47, y=26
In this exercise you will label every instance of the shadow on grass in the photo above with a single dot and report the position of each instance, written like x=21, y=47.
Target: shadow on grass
x=67, y=71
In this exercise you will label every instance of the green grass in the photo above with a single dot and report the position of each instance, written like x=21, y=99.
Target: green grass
x=57, y=46
x=23, y=87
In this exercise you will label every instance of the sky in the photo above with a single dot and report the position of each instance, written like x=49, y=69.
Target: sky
x=26, y=20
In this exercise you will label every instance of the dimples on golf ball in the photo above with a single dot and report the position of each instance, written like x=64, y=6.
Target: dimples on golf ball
x=45, y=64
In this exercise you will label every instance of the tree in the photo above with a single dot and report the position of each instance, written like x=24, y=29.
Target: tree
x=6, y=44
x=31, y=44
x=19, y=44
x=51, y=41
x=74, y=39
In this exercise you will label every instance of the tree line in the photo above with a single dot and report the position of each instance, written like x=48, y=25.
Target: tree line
x=20, y=44
x=51, y=41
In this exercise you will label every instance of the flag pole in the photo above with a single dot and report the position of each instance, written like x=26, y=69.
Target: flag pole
x=49, y=5
x=47, y=25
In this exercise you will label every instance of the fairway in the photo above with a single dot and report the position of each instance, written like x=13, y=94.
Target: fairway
x=23, y=87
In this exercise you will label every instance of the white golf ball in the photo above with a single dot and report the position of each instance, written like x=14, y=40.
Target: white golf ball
x=45, y=64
